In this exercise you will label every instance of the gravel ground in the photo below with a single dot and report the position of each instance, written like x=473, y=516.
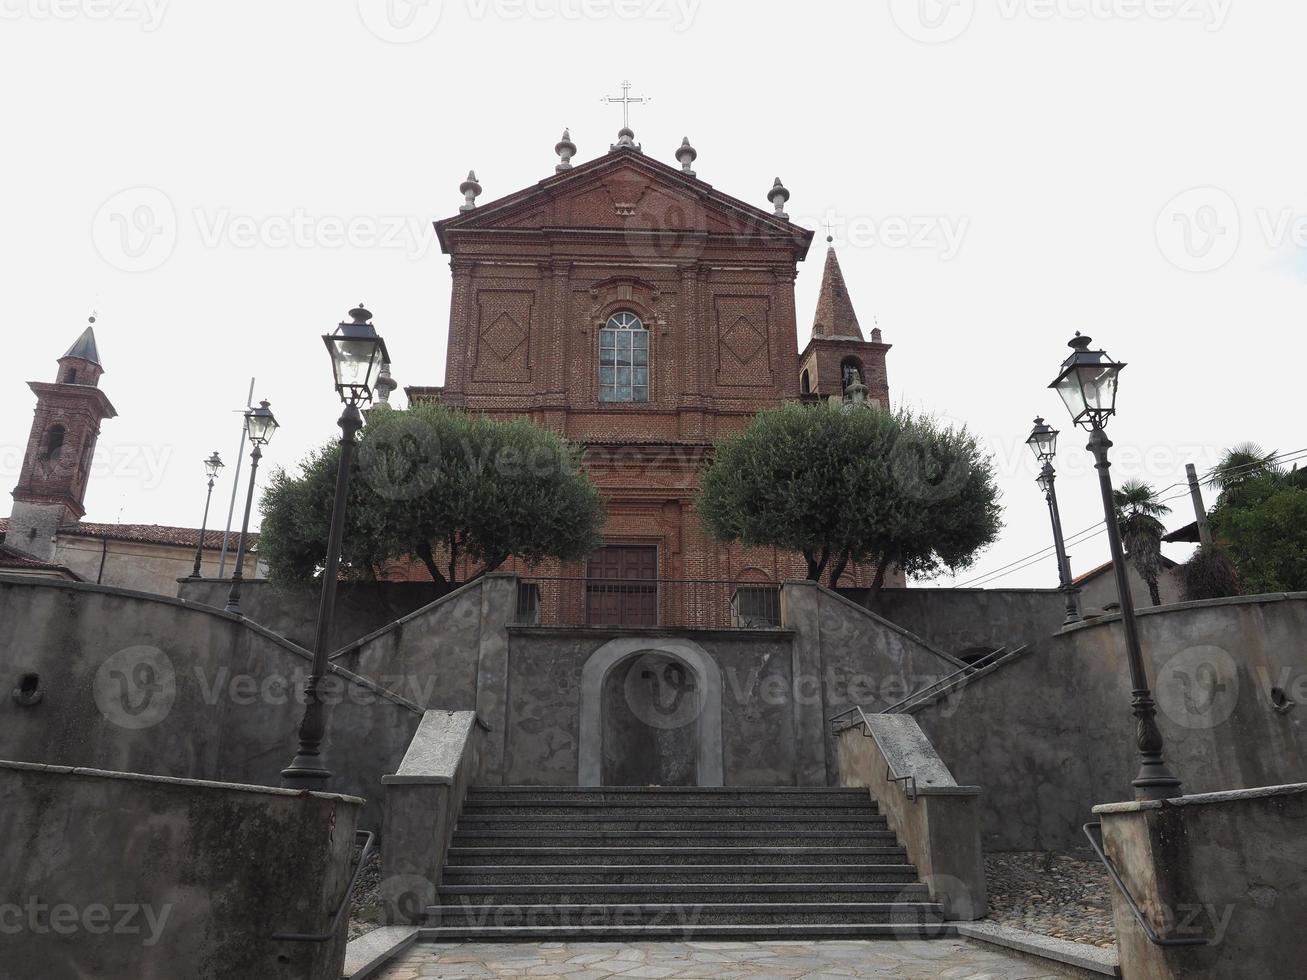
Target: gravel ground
x=365, y=906
x=1052, y=895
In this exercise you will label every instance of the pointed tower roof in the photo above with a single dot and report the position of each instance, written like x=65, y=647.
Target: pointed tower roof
x=835, y=315
x=84, y=347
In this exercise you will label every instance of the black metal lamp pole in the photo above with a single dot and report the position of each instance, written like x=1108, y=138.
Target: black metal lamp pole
x=1043, y=442
x=357, y=354
x=212, y=466
x=1088, y=385
x=260, y=425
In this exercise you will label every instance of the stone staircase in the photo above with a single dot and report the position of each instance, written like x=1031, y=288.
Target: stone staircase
x=677, y=863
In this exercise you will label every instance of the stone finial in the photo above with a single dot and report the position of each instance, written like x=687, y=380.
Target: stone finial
x=470, y=190
x=626, y=140
x=385, y=384
x=778, y=196
x=686, y=156
x=565, y=149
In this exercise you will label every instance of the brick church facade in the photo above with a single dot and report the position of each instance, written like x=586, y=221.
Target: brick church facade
x=642, y=313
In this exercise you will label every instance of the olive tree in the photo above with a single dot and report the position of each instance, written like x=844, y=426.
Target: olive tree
x=854, y=484
x=438, y=485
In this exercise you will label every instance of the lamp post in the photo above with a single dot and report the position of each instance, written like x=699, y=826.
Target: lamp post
x=1043, y=443
x=260, y=424
x=212, y=466
x=357, y=354
x=1088, y=385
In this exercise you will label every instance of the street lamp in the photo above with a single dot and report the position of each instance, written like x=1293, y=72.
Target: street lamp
x=212, y=466
x=260, y=424
x=1043, y=443
x=1088, y=385
x=357, y=354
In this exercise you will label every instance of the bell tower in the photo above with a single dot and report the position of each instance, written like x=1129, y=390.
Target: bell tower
x=838, y=363
x=57, y=464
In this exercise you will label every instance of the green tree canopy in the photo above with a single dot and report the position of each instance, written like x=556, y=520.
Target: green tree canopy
x=439, y=485
x=1261, y=523
x=853, y=484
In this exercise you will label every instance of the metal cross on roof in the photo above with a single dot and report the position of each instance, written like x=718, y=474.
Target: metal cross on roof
x=626, y=103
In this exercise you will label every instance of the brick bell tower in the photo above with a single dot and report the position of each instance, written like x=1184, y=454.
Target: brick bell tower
x=57, y=464
x=838, y=362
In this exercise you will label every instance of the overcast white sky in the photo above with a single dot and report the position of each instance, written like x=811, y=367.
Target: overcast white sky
x=223, y=181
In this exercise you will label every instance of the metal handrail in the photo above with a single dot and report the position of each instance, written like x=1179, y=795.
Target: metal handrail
x=307, y=937
x=890, y=773
x=988, y=660
x=972, y=668
x=1093, y=830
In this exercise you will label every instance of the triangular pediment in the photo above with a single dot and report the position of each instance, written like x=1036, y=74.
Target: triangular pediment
x=627, y=192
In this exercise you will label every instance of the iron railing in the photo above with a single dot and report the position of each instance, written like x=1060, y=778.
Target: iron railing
x=635, y=603
x=363, y=840
x=1094, y=831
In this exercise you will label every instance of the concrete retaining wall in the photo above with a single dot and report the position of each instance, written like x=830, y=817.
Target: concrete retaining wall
x=1227, y=867
x=108, y=874
x=362, y=608
x=1051, y=735
x=132, y=682
x=934, y=817
x=962, y=621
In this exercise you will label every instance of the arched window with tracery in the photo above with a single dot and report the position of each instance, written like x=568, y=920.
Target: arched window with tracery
x=624, y=359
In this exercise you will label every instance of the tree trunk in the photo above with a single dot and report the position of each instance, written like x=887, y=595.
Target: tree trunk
x=817, y=566
x=490, y=566
x=423, y=551
x=837, y=569
x=1153, y=592
x=878, y=582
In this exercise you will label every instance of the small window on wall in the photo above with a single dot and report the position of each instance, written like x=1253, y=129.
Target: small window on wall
x=54, y=442
x=805, y=383
x=624, y=359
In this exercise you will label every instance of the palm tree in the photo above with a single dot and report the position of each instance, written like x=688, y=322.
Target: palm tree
x=1245, y=461
x=1138, y=515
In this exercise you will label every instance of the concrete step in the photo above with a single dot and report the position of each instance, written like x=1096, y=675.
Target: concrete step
x=461, y=857
x=613, y=792
x=646, y=839
x=660, y=810
x=725, y=933
x=602, y=822
x=617, y=894
x=683, y=915
x=566, y=875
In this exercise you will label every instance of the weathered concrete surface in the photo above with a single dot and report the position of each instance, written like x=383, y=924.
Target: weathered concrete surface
x=1228, y=867
x=1088, y=960
x=362, y=608
x=422, y=804
x=108, y=874
x=367, y=956
x=1051, y=735
x=970, y=621
x=856, y=658
x=914, y=958
x=133, y=682
x=548, y=695
x=934, y=817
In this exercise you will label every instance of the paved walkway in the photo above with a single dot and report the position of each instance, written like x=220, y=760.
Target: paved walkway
x=908, y=959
